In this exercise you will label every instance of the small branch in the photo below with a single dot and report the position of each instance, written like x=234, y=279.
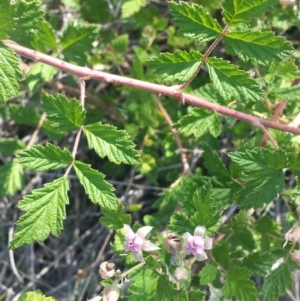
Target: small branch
x=35, y=133
x=267, y=134
x=184, y=160
x=143, y=85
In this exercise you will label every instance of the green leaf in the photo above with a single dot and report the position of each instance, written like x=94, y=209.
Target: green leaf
x=180, y=224
x=106, y=140
x=144, y=285
x=198, y=122
x=194, y=22
x=11, y=178
x=99, y=191
x=277, y=282
x=10, y=73
x=9, y=146
x=119, y=239
x=67, y=115
x=258, y=263
x=44, y=38
x=165, y=290
x=288, y=71
x=242, y=11
x=220, y=253
x=180, y=66
x=259, y=47
x=232, y=83
x=45, y=211
x=214, y=164
x=289, y=93
x=19, y=19
x=239, y=286
x=20, y=114
x=35, y=296
x=206, y=214
x=195, y=296
x=208, y=274
x=48, y=157
x=130, y=7
x=39, y=74
x=77, y=40
x=120, y=43
x=115, y=219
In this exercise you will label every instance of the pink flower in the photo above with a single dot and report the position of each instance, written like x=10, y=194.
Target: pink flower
x=111, y=293
x=137, y=242
x=292, y=235
x=196, y=244
x=295, y=256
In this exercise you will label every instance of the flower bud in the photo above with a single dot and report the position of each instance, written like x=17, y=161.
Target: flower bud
x=111, y=293
x=295, y=256
x=107, y=270
x=173, y=243
x=293, y=235
x=181, y=274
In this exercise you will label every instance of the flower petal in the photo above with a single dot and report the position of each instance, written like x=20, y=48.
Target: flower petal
x=199, y=231
x=128, y=231
x=149, y=246
x=144, y=231
x=186, y=235
x=208, y=242
x=202, y=256
x=138, y=256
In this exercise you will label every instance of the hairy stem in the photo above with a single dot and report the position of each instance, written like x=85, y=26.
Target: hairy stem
x=85, y=72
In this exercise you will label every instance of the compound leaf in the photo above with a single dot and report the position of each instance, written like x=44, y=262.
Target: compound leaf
x=10, y=73
x=67, y=115
x=106, y=140
x=194, y=22
x=277, y=282
x=99, y=191
x=45, y=211
x=48, y=157
x=232, y=83
x=242, y=11
x=198, y=122
x=259, y=47
x=239, y=286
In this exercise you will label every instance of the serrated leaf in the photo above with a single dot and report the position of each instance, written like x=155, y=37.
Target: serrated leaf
x=258, y=263
x=120, y=43
x=194, y=22
x=231, y=82
x=44, y=38
x=208, y=274
x=77, y=40
x=206, y=214
x=45, y=212
x=180, y=66
x=198, y=122
x=239, y=286
x=99, y=191
x=48, y=157
x=39, y=74
x=165, y=290
x=259, y=47
x=277, y=282
x=67, y=115
x=288, y=71
x=242, y=11
x=181, y=223
x=195, y=296
x=106, y=140
x=214, y=164
x=35, y=296
x=115, y=219
x=19, y=19
x=10, y=73
x=130, y=7
x=20, y=114
x=291, y=93
x=11, y=178
x=144, y=285
x=8, y=146
x=221, y=254
x=119, y=239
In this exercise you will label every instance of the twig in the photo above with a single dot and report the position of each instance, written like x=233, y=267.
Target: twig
x=35, y=133
x=267, y=134
x=184, y=160
x=143, y=85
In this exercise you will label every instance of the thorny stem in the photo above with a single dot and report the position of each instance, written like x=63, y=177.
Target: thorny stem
x=206, y=55
x=143, y=85
x=78, y=134
x=184, y=160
